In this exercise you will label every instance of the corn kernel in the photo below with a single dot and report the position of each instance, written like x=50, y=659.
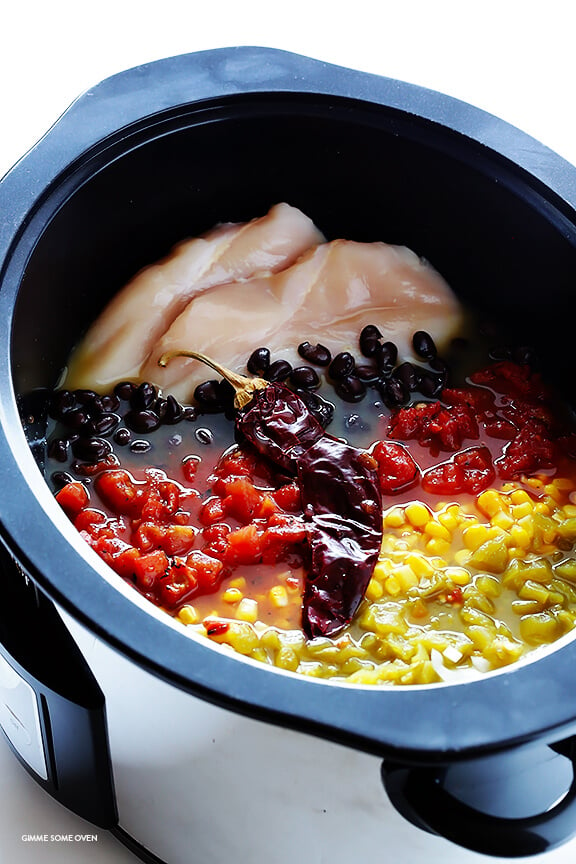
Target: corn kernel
x=286, y=658
x=382, y=569
x=475, y=535
x=278, y=596
x=519, y=511
x=490, y=502
x=458, y=575
x=519, y=536
x=374, y=591
x=392, y=586
x=237, y=582
x=435, y=529
x=394, y=518
x=437, y=546
x=188, y=615
x=417, y=514
x=247, y=610
x=449, y=520
x=232, y=595
x=520, y=496
x=502, y=520
x=406, y=577
x=419, y=564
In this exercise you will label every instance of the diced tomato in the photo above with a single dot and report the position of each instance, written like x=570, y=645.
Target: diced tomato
x=149, y=568
x=529, y=451
x=178, y=539
x=73, y=498
x=433, y=425
x=123, y=563
x=469, y=471
x=212, y=510
x=477, y=399
x=216, y=539
x=207, y=570
x=148, y=536
x=242, y=500
x=396, y=468
x=190, y=467
x=245, y=545
x=509, y=377
x=119, y=492
x=288, y=497
x=179, y=583
x=88, y=519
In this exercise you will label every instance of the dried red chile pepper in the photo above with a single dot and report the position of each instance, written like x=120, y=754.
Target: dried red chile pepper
x=340, y=492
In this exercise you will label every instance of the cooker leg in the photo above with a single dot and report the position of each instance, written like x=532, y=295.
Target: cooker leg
x=516, y=803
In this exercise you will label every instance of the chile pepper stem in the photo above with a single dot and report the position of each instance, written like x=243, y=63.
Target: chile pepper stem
x=243, y=386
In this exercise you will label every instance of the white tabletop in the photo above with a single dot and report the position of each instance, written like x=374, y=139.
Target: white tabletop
x=514, y=58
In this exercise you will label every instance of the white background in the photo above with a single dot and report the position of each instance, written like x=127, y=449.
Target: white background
x=516, y=59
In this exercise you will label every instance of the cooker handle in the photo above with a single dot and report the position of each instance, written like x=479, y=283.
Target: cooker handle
x=424, y=796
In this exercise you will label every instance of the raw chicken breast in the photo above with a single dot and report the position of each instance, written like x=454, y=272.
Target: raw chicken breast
x=327, y=296
x=123, y=336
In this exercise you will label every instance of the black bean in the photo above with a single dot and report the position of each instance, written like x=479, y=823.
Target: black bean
x=278, y=371
x=370, y=337
x=142, y=421
x=321, y=408
x=430, y=384
x=207, y=395
x=159, y=408
x=61, y=479
x=110, y=403
x=189, y=413
x=341, y=366
x=394, y=392
x=104, y=424
x=77, y=418
x=524, y=355
x=259, y=361
x=317, y=354
x=174, y=411
x=122, y=437
x=305, y=378
x=140, y=446
x=143, y=397
x=367, y=374
x=408, y=375
x=124, y=390
x=386, y=356
x=350, y=389
x=61, y=403
x=204, y=436
x=86, y=397
x=58, y=449
x=423, y=344
x=91, y=449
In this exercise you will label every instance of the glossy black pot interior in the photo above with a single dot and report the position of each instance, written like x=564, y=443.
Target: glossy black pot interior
x=164, y=152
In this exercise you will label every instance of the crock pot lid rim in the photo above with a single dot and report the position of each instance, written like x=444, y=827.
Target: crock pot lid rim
x=220, y=72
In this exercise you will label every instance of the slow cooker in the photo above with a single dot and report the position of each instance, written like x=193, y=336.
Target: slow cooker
x=180, y=749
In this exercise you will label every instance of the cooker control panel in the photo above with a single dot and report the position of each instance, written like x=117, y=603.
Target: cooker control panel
x=20, y=717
